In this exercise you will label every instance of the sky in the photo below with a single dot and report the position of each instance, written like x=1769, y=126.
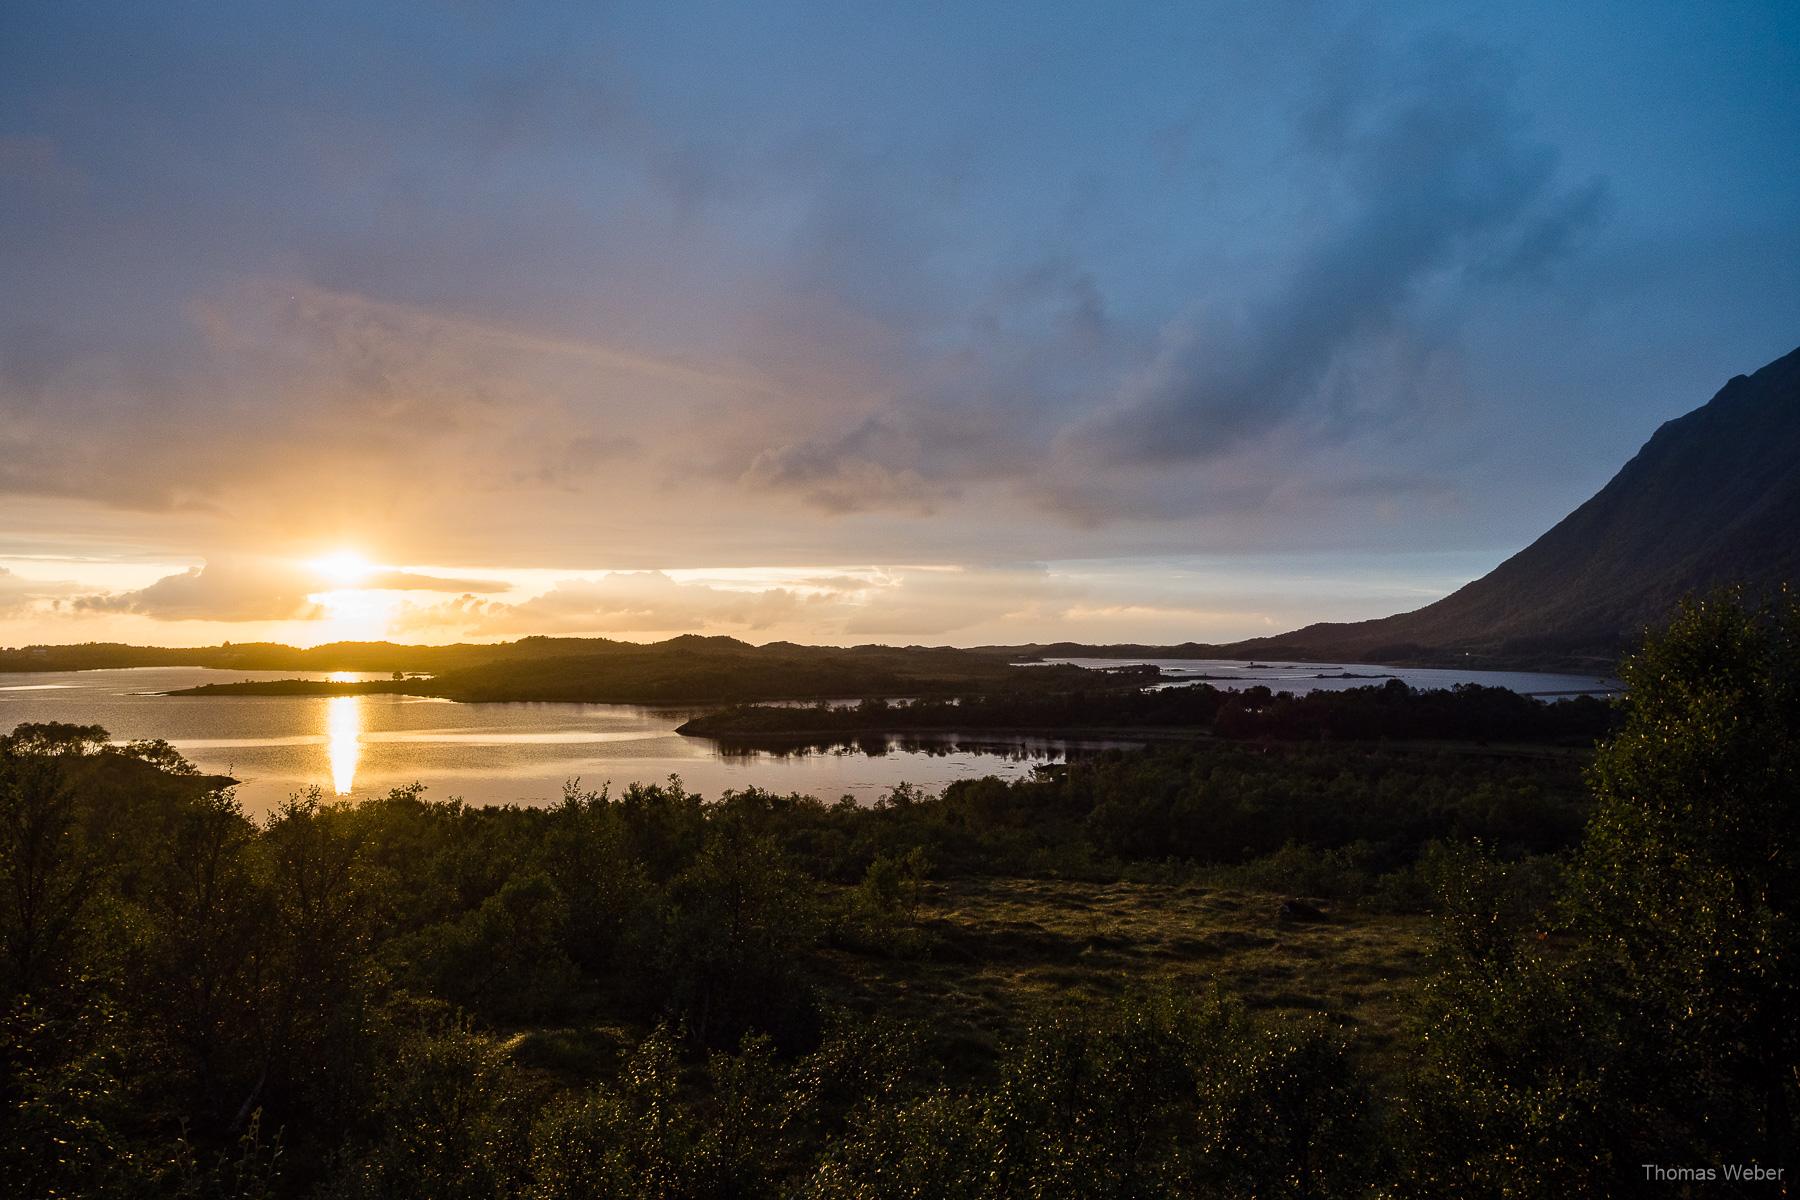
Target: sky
x=842, y=322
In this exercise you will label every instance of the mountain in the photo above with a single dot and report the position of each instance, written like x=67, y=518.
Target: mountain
x=1713, y=498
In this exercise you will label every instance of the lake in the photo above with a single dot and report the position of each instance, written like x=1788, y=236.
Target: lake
x=358, y=746
x=1282, y=675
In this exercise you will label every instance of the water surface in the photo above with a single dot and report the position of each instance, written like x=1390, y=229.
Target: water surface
x=357, y=746
x=1285, y=675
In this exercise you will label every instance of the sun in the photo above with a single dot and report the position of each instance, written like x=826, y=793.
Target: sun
x=346, y=568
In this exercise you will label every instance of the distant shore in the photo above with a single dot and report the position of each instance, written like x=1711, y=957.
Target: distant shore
x=309, y=687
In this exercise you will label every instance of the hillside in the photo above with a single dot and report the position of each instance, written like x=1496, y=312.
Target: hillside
x=1712, y=498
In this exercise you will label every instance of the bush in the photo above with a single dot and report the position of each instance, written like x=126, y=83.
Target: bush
x=1652, y=1020
x=640, y=1138
x=447, y=1120
x=1286, y=1114
x=1157, y=1096
x=730, y=957
x=504, y=961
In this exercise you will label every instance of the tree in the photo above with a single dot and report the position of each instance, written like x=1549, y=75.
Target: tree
x=1657, y=1024
x=201, y=924
x=161, y=755
x=314, y=968
x=739, y=919
x=505, y=959
x=49, y=867
x=55, y=738
x=637, y=1138
x=1688, y=883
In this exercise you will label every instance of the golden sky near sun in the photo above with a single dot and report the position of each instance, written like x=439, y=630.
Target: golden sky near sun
x=343, y=594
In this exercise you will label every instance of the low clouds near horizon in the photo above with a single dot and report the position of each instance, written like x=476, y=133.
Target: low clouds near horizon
x=255, y=600
x=257, y=590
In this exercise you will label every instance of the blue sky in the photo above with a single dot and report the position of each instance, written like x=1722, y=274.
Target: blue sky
x=950, y=323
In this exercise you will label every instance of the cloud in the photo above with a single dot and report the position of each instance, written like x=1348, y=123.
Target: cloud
x=19, y=594
x=1032, y=351
x=643, y=601
x=846, y=475
x=411, y=581
x=899, y=602
x=1445, y=185
x=937, y=603
x=366, y=332
x=244, y=590
x=1421, y=183
x=608, y=297
x=283, y=400
x=253, y=589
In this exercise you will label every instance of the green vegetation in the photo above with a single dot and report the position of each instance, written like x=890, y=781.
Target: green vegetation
x=1259, y=968
x=689, y=670
x=310, y=687
x=987, y=954
x=1392, y=710
x=389, y=656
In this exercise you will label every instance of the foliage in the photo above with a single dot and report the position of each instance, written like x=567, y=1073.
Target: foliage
x=1688, y=885
x=689, y=669
x=738, y=919
x=445, y=1120
x=341, y=1000
x=637, y=1138
x=1466, y=712
x=1158, y=1096
x=1652, y=1019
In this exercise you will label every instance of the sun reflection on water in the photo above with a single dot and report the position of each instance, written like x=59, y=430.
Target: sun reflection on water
x=343, y=733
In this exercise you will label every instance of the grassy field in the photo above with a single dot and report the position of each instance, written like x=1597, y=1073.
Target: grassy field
x=986, y=954
x=991, y=951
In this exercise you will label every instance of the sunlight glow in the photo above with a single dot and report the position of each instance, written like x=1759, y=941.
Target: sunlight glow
x=346, y=568
x=355, y=615
x=343, y=740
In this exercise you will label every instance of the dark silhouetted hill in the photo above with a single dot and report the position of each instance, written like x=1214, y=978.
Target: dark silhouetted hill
x=1713, y=498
